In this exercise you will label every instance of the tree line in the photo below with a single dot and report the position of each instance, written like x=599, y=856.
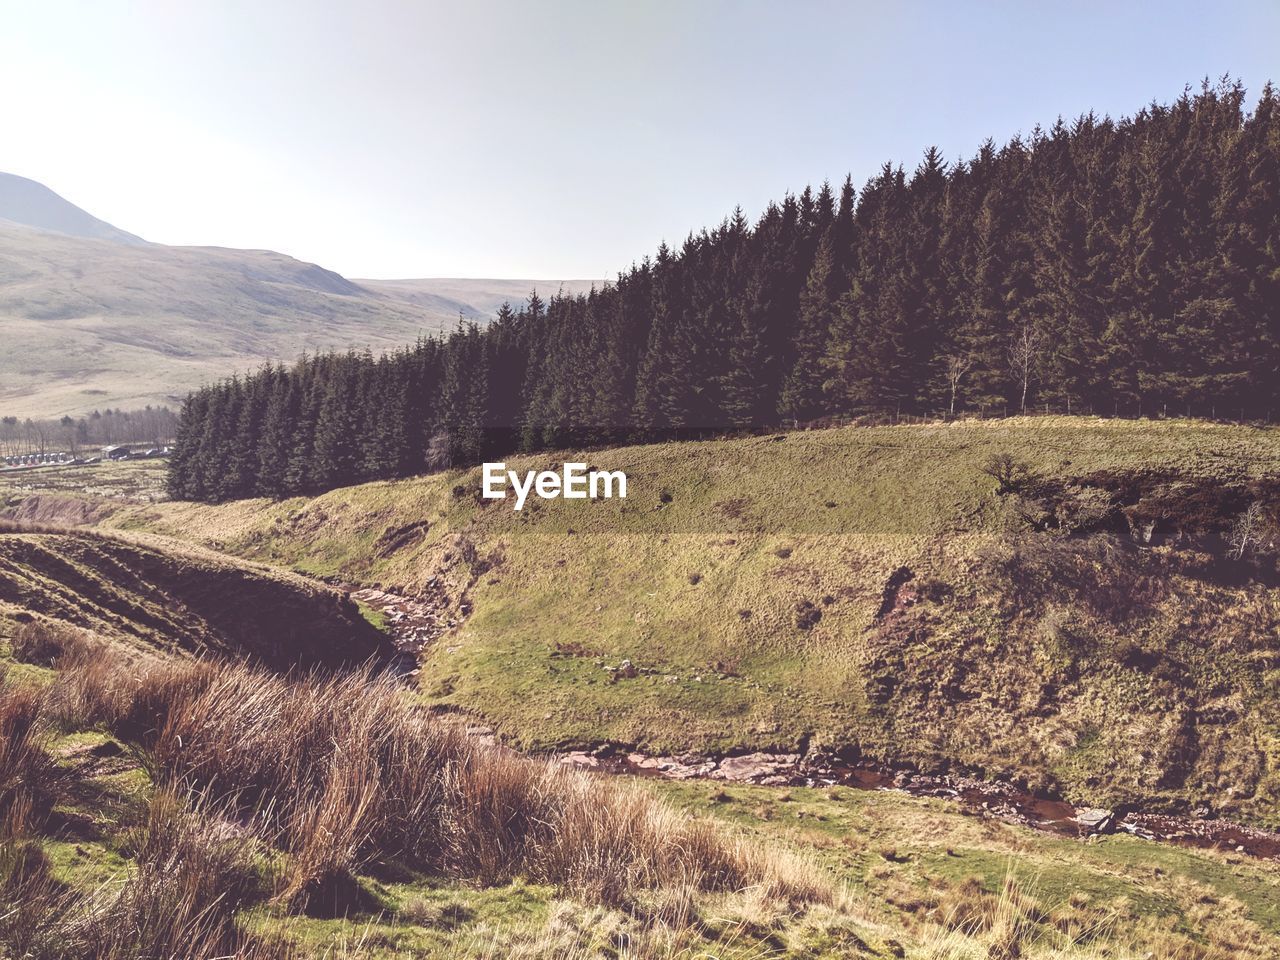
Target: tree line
x=75, y=435
x=1098, y=264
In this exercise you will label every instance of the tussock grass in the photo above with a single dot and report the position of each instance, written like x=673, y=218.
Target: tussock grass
x=26, y=772
x=343, y=770
x=42, y=643
x=179, y=901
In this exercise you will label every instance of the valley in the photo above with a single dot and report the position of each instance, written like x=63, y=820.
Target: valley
x=759, y=617
x=94, y=317
x=611, y=634
x=872, y=552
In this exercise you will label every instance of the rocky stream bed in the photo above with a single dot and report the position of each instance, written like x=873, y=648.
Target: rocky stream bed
x=416, y=624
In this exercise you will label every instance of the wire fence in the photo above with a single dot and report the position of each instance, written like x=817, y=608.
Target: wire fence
x=1154, y=412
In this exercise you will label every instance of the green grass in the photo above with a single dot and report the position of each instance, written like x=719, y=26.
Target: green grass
x=375, y=617
x=933, y=847
x=703, y=571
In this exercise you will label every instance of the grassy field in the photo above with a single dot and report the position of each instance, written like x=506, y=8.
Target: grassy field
x=868, y=589
x=126, y=481
x=116, y=818
x=864, y=588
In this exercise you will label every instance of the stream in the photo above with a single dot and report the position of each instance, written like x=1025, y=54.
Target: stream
x=416, y=624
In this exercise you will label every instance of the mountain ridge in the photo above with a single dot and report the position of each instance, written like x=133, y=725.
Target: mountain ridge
x=30, y=203
x=97, y=317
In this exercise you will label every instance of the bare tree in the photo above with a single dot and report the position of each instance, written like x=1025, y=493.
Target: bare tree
x=1010, y=473
x=957, y=367
x=1024, y=355
x=38, y=435
x=1248, y=532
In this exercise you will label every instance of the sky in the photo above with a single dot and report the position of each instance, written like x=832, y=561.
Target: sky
x=549, y=138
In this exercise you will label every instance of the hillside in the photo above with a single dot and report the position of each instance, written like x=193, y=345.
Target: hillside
x=94, y=323
x=32, y=204
x=481, y=298
x=95, y=317
x=158, y=596
x=868, y=589
x=864, y=591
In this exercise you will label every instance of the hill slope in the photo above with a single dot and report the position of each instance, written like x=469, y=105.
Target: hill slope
x=157, y=595
x=94, y=317
x=478, y=298
x=32, y=204
x=93, y=323
x=860, y=590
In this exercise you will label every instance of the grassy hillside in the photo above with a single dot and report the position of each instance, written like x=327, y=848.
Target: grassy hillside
x=1073, y=659
x=161, y=597
x=865, y=590
x=92, y=323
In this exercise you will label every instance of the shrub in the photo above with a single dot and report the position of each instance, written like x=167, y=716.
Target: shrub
x=1010, y=474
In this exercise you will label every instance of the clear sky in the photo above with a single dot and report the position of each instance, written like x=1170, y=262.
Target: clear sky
x=549, y=138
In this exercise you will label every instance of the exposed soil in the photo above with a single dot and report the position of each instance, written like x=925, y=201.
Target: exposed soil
x=194, y=601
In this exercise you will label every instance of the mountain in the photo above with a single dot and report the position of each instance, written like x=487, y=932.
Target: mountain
x=484, y=297
x=33, y=204
x=94, y=317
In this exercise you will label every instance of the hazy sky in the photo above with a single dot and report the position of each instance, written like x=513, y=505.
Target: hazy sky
x=548, y=139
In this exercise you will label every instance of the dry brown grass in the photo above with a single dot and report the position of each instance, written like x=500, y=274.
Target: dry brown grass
x=345, y=769
x=26, y=771
x=43, y=642
x=179, y=900
x=8, y=525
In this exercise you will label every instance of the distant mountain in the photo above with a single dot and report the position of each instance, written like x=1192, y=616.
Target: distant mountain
x=93, y=317
x=484, y=297
x=33, y=204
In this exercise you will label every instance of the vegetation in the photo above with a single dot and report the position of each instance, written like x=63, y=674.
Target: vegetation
x=108, y=482
x=278, y=792
x=152, y=807
x=74, y=435
x=1111, y=266
x=190, y=600
x=859, y=589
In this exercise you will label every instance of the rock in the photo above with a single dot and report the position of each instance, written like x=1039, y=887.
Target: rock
x=1096, y=819
x=671, y=768
x=756, y=766
x=627, y=669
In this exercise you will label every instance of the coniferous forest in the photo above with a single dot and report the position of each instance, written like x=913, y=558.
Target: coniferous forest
x=1124, y=267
